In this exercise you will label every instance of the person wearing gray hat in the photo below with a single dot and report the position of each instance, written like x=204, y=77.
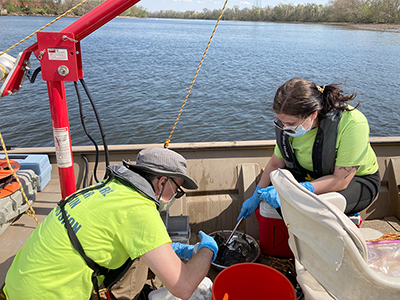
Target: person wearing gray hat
x=115, y=226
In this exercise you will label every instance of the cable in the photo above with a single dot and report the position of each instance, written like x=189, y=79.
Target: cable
x=98, y=122
x=86, y=169
x=88, y=135
x=32, y=77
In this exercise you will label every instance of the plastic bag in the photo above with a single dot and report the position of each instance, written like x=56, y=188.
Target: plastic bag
x=384, y=257
x=202, y=292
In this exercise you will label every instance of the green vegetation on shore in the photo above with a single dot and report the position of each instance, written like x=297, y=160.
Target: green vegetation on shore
x=348, y=11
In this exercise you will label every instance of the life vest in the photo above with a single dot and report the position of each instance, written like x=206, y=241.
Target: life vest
x=324, y=149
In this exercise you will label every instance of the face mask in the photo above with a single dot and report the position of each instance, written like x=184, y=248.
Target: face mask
x=299, y=131
x=164, y=205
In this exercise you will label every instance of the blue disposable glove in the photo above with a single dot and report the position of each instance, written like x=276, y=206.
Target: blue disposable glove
x=207, y=241
x=308, y=185
x=183, y=251
x=250, y=205
x=270, y=195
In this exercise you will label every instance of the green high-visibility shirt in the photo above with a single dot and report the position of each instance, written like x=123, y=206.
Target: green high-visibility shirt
x=112, y=223
x=352, y=145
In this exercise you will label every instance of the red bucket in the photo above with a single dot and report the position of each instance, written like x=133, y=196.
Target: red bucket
x=252, y=281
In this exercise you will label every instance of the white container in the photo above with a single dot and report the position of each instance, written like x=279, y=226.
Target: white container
x=202, y=292
x=268, y=212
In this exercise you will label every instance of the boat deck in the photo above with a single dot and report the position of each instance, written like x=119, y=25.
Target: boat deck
x=14, y=237
x=17, y=233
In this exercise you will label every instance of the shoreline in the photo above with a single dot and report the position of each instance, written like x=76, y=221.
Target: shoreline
x=358, y=26
x=377, y=27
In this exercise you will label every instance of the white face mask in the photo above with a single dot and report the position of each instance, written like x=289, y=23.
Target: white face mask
x=164, y=205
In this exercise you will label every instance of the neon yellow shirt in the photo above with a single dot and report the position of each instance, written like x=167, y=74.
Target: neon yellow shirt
x=112, y=223
x=352, y=145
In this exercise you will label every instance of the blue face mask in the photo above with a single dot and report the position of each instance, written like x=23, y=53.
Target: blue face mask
x=299, y=131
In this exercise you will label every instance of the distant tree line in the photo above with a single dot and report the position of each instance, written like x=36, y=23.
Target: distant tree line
x=353, y=11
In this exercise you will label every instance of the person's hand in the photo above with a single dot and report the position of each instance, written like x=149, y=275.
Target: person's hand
x=183, y=251
x=270, y=195
x=250, y=205
x=206, y=241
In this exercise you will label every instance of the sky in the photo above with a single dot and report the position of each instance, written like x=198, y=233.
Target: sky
x=199, y=5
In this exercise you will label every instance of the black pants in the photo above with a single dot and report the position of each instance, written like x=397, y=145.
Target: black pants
x=360, y=192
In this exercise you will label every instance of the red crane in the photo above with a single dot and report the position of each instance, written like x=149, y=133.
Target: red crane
x=60, y=59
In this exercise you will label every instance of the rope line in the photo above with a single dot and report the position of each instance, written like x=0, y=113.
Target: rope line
x=30, y=211
x=194, y=78
x=47, y=25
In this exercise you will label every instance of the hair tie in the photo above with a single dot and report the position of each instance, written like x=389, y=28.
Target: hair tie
x=321, y=89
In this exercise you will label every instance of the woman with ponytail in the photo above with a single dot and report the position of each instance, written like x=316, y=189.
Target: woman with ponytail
x=324, y=142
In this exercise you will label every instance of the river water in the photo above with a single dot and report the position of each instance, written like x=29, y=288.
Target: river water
x=139, y=71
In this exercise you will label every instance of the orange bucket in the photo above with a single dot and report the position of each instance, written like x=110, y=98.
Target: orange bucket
x=252, y=281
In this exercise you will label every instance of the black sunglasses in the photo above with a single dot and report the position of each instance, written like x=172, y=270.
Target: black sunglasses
x=179, y=192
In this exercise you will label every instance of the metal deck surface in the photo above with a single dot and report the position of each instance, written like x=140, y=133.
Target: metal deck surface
x=14, y=237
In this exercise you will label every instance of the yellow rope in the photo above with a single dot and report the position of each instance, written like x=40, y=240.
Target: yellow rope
x=47, y=25
x=30, y=211
x=194, y=78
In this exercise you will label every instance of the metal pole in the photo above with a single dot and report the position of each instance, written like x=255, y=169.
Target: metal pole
x=81, y=28
x=62, y=137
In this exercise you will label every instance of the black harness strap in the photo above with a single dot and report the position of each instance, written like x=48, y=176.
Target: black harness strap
x=97, y=269
x=324, y=148
x=111, y=276
x=325, y=144
x=288, y=155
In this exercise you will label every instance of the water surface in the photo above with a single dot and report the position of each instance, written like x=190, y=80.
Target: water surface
x=139, y=71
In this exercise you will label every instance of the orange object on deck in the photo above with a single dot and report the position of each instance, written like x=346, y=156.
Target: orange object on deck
x=5, y=170
x=9, y=189
x=8, y=184
x=252, y=281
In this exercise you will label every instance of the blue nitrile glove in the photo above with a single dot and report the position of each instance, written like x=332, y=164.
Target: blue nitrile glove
x=250, y=205
x=183, y=251
x=308, y=185
x=207, y=241
x=270, y=195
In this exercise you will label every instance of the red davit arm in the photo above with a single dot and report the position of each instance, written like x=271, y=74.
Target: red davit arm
x=60, y=59
x=81, y=28
x=97, y=17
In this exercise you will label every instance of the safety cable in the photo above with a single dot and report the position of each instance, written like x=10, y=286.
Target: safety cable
x=30, y=211
x=86, y=132
x=103, y=136
x=86, y=170
x=194, y=78
x=47, y=25
x=32, y=77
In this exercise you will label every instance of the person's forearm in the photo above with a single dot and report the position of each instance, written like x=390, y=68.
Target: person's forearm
x=193, y=272
x=273, y=164
x=336, y=182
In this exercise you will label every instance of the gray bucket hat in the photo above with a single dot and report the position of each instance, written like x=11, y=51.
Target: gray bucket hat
x=164, y=162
